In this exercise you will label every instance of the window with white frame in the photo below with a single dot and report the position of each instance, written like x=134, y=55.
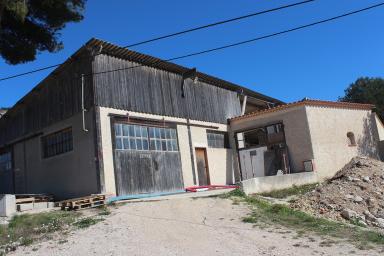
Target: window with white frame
x=139, y=137
x=217, y=139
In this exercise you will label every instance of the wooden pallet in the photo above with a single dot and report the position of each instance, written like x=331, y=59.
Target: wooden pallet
x=82, y=202
x=32, y=198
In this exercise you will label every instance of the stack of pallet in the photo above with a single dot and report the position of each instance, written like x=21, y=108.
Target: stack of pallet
x=26, y=202
x=82, y=202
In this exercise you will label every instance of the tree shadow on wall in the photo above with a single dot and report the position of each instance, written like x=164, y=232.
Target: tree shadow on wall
x=367, y=142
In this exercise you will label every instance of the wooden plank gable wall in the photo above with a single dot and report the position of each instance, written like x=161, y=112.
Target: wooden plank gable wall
x=149, y=90
x=56, y=98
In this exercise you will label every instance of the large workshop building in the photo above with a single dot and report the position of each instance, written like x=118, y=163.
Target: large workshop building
x=148, y=126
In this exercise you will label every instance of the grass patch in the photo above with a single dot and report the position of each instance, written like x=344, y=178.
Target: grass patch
x=104, y=210
x=87, y=222
x=294, y=190
x=265, y=212
x=26, y=228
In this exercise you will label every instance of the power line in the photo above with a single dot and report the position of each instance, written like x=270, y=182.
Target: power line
x=218, y=23
x=177, y=34
x=250, y=40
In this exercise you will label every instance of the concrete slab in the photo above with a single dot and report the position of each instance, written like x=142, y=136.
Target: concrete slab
x=40, y=205
x=7, y=205
x=24, y=207
x=202, y=194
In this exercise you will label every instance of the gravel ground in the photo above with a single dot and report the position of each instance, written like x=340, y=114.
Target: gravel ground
x=184, y=226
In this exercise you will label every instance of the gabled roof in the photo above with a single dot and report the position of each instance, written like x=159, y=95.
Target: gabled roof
x=94, y=45
x=306, y=102
x=147, y=60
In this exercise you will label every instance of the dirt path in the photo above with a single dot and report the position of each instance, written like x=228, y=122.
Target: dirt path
x=185, y=226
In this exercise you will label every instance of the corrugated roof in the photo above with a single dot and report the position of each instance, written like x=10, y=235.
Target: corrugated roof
x=147, y=60
x=318, y=103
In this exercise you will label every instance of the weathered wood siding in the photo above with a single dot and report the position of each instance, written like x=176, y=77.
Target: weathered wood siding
x=140, y=172
x=56, y=98
x=150, y=90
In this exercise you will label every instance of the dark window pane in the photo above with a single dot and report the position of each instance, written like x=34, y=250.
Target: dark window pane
x=57, y=143
x=162, y=132
x=118, y=143
x=152, y=144
x=126, y=143
x=131, y=131
x=174, y=145
x=139, y=145
x=117, y=129
x=157, y=133
x=168, y=133
x=137, y=131
x=169, y=145
x=125, y=130
x=151, y=132
x=132, y=143
x=163, y=145
x=173, y=133
x=144, y=132
x=158, y=145
x=145, y=144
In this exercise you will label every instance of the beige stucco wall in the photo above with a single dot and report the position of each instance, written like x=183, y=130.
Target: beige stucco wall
x=219, y=160
x=71, y=174
x=329, y=128
x=379, y=126
x=296, y=132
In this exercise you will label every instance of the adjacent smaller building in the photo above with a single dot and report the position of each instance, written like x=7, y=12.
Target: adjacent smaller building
x=306, y=136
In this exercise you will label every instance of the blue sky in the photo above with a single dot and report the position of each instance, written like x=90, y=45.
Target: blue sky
x=319, y=62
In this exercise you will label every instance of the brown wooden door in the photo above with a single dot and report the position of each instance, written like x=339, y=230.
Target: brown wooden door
x=202, y=166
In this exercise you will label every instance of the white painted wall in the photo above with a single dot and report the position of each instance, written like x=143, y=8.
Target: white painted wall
x=329, y=127
x=220, y=161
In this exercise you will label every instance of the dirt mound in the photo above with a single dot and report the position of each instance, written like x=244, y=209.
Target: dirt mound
x=355, y=193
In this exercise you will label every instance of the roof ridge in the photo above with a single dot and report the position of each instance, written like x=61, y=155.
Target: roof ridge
x=309, y=102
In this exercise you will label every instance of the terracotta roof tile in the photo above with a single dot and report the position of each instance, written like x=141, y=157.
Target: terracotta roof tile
x=319, y=103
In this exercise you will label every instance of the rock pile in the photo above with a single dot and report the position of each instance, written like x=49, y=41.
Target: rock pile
x=355, y=193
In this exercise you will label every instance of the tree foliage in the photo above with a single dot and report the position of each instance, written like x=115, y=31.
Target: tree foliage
x=28, y=27
x=367, y=90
